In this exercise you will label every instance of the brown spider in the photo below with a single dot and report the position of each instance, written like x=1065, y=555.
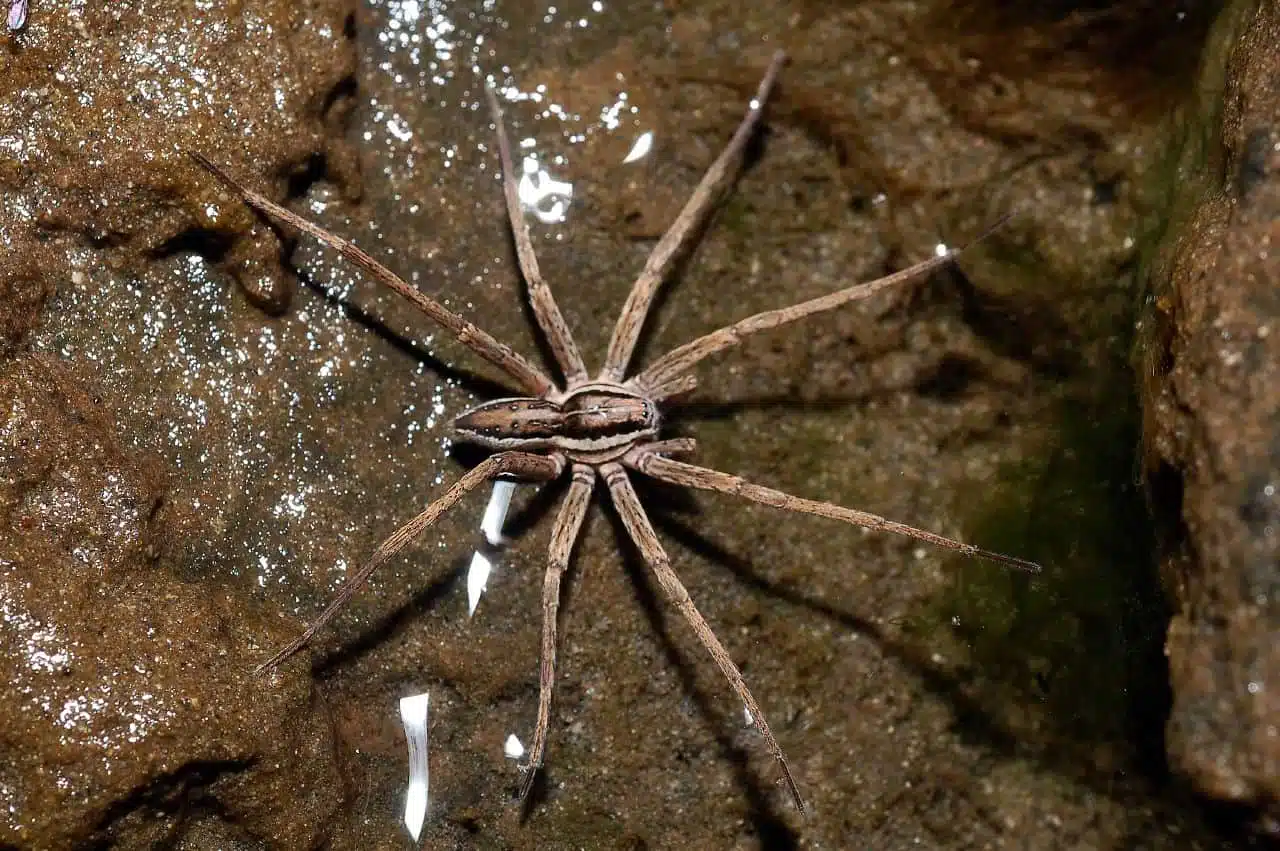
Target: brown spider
x=603, y=425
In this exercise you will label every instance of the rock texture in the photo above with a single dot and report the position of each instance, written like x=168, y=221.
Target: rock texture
x=130, y=715
x=1211, y=371
x=98, y=102
x=130, y=707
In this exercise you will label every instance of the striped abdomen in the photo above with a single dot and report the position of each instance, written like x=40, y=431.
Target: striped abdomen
x=595, y=424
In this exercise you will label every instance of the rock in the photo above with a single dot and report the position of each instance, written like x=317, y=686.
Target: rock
x=131, y=704
x=99, y=102
x=1212, y=416
x=131, y=701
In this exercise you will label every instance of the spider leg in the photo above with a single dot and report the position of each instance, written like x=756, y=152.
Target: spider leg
x=563, y=535
x=691, y=476
x=673, y=446
x=662, y=378
x=470, y=335
x=641, y=531
x=691, y=218
x=521, y=464
x=544, y=304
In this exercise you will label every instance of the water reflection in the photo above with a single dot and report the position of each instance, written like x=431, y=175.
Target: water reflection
x=640, y=149
x=44, y=646
x=413, y=715
x=495, y=514
x=543, y=195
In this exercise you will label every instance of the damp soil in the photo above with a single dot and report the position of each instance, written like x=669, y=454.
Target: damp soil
x=259, y=426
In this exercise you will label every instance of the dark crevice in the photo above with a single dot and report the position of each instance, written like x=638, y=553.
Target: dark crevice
x=303, y=175
x=213, y=245
x=180, y=793
x=337, y=99
x=1165, y=487
x=1252, y=171
x=950, y=379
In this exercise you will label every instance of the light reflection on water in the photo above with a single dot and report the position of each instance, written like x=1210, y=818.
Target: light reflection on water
x=43, y=644
x=542, y=195
x=435, y=46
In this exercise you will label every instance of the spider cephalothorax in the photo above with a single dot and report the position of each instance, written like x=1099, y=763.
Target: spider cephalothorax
x=607, y=427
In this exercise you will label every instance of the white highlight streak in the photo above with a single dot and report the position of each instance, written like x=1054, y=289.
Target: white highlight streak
x=641, y=148
x=537, y=186
x=495, y=513
x=477, y=579
x=413, y=714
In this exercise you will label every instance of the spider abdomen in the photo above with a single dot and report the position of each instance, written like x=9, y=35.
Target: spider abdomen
x=594, y=423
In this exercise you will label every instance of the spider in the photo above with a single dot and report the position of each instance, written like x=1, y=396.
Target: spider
x=603, y=427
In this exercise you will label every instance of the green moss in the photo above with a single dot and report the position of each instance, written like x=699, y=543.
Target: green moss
x=1079, y=646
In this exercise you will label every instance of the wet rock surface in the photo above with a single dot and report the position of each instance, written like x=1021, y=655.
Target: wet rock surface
x=98, y=103
x=924, y=701
x=129, y=704
x=1212, y=409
